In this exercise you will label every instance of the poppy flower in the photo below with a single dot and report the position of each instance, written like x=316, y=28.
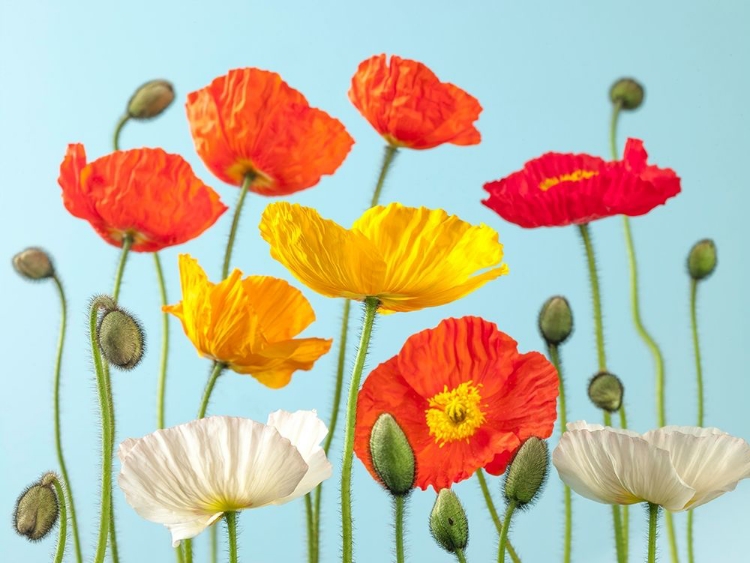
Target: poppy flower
x=465, y=398
x=408, y=105
x=188, y=476
x=249, y=324
x=562, y=189
x=250, y=122
x=147, y=194
x=409, y=258
x=676, y=467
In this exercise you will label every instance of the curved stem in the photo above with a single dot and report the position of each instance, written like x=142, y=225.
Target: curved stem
x=398, y=514
x=118, y=129
x=231, y=518
x=594, y=278
x=58, y=427
x=616, y=510
x=460, y=555
x=493, y=513
x=504, y=533
x=310, y=519
x=63, y=535
x=235, y=222
x=161, y=383
x=127, y=242
x=218, y=367
x=616, y=108
x=388, y=156
x=625, y=508
x=371, y=307
x=340, y=364
x=699, y=381
x=653, y=516
x=113, y=552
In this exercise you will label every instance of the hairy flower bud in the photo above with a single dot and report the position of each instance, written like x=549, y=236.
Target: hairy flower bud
x=151, y=99
x=556, y=320
x=37, y=509
x=527, y=473
x=448, y=523
x=628, y=92
x=34, y=264
x=701, y=261
x=121, y=339
x=392, y=456
x=606, y=391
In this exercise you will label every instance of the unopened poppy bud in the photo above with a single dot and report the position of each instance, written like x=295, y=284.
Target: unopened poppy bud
x=121, y=339
x=151, y=99
x=556, y=320
x=606, y=391
x=702, y=259
x=392, y=456
x=33, y=264
x=448, y=523
x=37, y=509
x=627, y=92
x=527, y=473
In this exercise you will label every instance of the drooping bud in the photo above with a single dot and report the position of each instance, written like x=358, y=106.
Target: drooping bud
x=151, y=99
x=527, y=473
x=556, y=320
x=37, y=509
x=121, y=339
x=628, y=92
x=701, y=261
x=34, y=264
x=448, y=523
x=392, y=456
x=606, y=391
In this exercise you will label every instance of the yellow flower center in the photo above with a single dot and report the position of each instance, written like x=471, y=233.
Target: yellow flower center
x=574, y=176
x=455, y=414
x=242, y=167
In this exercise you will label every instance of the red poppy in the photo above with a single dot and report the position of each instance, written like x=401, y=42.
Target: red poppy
x=562, y=189
x=251, y=122
x=464, y=397
x=408, y=105
x=147, y=194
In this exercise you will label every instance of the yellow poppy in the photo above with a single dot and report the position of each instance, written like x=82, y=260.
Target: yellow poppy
x=409, y=258
x=249, y=324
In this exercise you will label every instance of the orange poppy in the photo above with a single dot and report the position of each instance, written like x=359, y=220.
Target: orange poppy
x=250, y=122
x=464, y=397
x=147, y=194
x=408, y=105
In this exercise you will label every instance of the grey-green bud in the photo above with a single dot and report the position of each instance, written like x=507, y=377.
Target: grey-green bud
x=556, y=320
x=448, y=523
x=701, y=261
x=151, y=99
x=34, y=264
x=37, y=509
x=606, y=391
x=392, y=456
x=121, y=339
x=527, y=473
x=628, y=92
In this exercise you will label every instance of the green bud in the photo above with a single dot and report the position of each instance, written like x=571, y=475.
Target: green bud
x=628, y=92
x=701, y=261
x=151, y=99
x=606, y=391
x=121, y=339
x=392, y=456
x=34, y=264
x=448, y=523
x=556, y=320
x=527, y=473
x=37, y=509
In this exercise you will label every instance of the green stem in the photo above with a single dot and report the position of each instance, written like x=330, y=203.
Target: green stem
x=699, y=380
x=653, y=516
x=218, y=367
x=460, y=555
x=113, y=552
x=118, y=129
x=625, y=508
x=58, y=427
x=371, y=307
x=594, y=278
x=63, y=535
x=398, y=514
x=691, y=554
x=616, y=107
x=616, y=518
x=214, y=544
x=493, y=513
x=235, y=222
x=162, y=378
x=179, y=554
x=231, y=518
x=127, y=243
x=309, y=517
x=188, y=550
x=504, y=534
x=388, y=156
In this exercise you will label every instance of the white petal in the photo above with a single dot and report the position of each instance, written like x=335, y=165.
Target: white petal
x=709, y=460
x=306, y=431
x=125, y=446
x=185, y=477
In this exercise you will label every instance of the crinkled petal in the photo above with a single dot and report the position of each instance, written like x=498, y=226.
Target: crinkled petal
x=282, y=310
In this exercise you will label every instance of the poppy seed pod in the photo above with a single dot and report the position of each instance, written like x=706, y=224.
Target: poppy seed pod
x=628, y=92
x=527, y=473
x=606, y=391
x=448, y=523
x=392, y=456
x=701, y=261
x=37, y=509
x=34, y=264
x=556, y=320
x=151, y=99
x=121, y=339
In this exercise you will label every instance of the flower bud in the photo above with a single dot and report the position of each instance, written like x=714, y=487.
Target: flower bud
x=37, y=509
x=392, y=456
x=121, y=339
x=448, y=523
x=556, y=320
x=701, y=261
x=627, y=92
x=606, y=391
x=33, y=264
x=151, y=99
x=527, y=473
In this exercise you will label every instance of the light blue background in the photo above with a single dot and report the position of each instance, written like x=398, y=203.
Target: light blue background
x=542, y=71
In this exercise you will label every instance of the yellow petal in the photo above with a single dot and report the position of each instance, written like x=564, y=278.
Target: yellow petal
x=282, y=310
x=274, y=365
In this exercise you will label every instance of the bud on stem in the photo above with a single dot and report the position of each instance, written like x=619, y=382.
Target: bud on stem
x=37, y=509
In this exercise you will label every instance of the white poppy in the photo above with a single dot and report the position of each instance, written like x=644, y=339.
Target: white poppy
x=676, y=467
x=187, y=476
